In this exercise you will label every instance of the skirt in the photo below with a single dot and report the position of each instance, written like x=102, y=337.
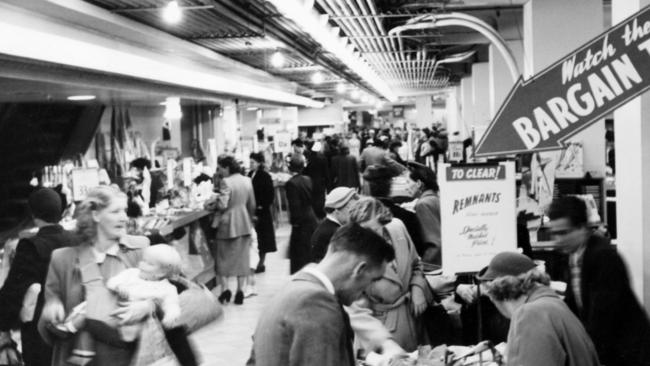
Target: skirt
x=232, y=256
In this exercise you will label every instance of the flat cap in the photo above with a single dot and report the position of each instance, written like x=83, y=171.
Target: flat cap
x=506, y=264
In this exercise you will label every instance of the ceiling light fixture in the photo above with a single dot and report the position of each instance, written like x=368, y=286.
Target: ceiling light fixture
x=315, y=24
x=355, y=94
x=277, y=59
x=81, y=97
x=172, y=13
x=340, y=88
x=173, y=108
x=317, y=77
x=252, y=108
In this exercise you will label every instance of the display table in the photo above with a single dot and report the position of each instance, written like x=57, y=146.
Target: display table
x=198, y=263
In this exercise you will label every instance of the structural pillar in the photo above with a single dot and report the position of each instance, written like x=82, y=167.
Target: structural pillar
x=632, y=134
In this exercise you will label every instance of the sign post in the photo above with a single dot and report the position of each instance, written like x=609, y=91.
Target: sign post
x=541, y=113
x=477, y=207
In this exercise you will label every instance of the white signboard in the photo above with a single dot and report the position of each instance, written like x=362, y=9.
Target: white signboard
x=477, y=207
x=283, y=142
x=82, y=181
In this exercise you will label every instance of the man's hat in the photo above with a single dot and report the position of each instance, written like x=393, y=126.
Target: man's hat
x=506, y=264
x=339, y=197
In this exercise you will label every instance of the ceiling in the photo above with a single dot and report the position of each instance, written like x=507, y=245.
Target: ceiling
x=251, y=31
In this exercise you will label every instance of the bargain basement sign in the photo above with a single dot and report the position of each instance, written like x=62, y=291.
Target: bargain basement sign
x=540, y=113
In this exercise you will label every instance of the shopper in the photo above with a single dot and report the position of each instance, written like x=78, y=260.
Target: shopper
x=234, y=227
x=378, y=155
x=378, y=179
x=402, y=294
x=305, y=324
x=264, y=195
x=598, y=287
x=427, y=211
x=317, y=169
x=77, y=272
x=22, y=288
x=543, y=331
x=337, y=206
x=345, y=170
x=301, y=214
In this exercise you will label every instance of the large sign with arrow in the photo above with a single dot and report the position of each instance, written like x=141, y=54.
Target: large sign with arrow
x=542, y=112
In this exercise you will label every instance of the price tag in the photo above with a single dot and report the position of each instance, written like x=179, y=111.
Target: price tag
x=83, y=180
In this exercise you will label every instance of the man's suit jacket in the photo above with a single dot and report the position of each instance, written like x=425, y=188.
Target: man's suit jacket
x=303, y=325
x=236, y=220
x=345, y=171
x=612, y=316
x=318, y=170
x=30, y=266
x=320, y=240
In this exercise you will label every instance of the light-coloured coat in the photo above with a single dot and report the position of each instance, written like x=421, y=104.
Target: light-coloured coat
x=236, y=219
x=389, y=298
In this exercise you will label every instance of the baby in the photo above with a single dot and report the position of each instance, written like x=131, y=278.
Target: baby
x=150, y=282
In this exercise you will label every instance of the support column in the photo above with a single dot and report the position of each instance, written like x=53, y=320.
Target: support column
x=466, y=104
x=553, y=29
x=632, y=133
x=500, y=78
x=481, y=94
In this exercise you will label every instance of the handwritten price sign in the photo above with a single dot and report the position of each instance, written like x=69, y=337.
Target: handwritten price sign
x=83, y=180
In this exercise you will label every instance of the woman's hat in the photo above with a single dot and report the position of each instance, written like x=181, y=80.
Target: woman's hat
x=506, y=264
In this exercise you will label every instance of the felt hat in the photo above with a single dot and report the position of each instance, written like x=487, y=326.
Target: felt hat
x=506, y=264
x=45, y=204
x=339, y=197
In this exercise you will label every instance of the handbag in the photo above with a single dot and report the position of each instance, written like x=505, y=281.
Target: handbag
x=199, y=306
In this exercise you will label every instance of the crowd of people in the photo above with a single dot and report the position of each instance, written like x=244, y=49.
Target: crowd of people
x=365, y=227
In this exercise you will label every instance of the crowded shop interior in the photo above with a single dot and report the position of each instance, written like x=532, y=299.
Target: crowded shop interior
x=324, y=182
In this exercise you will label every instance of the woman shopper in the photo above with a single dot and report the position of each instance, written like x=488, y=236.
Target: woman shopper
x=264, y=194
x=234, y=227
x=78, y=274
x=543, y=331
x=301, y=214
x=402, y=294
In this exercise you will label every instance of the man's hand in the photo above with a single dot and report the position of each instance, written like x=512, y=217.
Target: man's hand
x=418, y=300
x=134, y=311
x=467, y=292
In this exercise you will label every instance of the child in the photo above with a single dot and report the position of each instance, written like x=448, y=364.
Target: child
x=149, y=281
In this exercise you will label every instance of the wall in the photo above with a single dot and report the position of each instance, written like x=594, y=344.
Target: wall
x=329, y=115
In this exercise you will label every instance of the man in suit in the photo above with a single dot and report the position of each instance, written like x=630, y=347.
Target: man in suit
x=345, y=169
x=27, y=276
x=337, y=204
x=305, y=324
x=598, y=287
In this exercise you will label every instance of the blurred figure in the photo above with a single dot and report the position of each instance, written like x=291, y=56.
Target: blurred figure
x=598, y=287
x=355, y=145
x=543, y=331
x=303, y=220
x=264, y=195
x=234, y=226
x=22, y=289
x=378, y=154
x=345, y=170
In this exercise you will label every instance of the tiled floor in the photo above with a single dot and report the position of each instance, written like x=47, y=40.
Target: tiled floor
x=228, y=341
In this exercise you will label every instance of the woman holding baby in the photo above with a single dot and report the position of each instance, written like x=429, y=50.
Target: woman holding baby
x=78, y=275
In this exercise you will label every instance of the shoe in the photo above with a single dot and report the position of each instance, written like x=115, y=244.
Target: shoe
x=260, y=269
x=225, y=296
x=239, y=298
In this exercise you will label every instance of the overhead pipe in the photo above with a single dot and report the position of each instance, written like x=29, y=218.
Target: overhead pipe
x=463, y=20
